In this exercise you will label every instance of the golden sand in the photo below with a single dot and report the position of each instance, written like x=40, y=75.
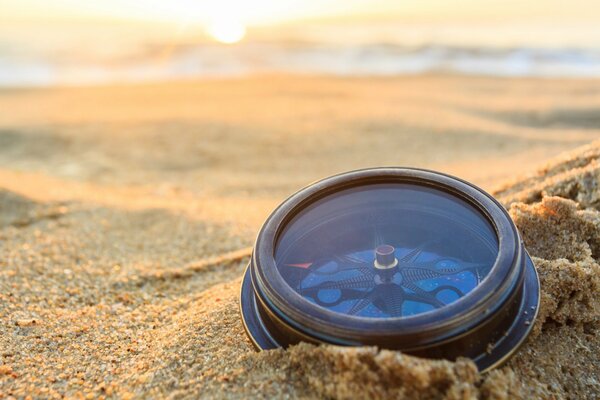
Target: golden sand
x=126, y=216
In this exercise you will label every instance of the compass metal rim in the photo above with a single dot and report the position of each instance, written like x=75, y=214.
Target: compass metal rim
x=274, y=315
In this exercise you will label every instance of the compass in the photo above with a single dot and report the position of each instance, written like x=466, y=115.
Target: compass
x=399, y=258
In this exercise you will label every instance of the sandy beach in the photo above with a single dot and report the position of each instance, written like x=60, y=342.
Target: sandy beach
x=127, y=214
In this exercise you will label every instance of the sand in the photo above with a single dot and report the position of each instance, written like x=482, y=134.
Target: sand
x=127, y=216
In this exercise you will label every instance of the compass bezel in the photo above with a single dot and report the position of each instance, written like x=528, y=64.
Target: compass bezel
x=500, y=293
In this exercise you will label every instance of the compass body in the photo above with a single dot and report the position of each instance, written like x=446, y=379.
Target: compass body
x=404, y=259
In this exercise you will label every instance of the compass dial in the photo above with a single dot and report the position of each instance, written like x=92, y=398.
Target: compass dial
x=383, y=250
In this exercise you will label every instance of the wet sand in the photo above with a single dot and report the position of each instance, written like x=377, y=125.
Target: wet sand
x=126, y=214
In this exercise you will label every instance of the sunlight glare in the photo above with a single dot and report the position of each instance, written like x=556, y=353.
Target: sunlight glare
x=227, y=30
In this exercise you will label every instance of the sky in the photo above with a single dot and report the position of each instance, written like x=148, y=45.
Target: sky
x=265, y=12
x=558, y=22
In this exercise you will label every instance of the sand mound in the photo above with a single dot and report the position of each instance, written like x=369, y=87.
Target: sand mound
x=76, y=322
x=575, y=176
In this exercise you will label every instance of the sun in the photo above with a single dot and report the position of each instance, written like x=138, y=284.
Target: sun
x=227, y=30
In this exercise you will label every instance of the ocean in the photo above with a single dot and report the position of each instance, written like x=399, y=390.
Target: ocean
x=117, y=53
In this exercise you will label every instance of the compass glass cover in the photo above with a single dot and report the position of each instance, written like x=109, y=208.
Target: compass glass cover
x=386, y=250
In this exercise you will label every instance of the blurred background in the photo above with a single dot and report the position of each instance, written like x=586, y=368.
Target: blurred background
x=247, y=101
x=82, y=42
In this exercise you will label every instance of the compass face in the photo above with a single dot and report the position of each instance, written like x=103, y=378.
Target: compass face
x=386, y=250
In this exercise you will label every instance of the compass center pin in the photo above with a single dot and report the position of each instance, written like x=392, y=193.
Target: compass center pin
x=385, y=257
